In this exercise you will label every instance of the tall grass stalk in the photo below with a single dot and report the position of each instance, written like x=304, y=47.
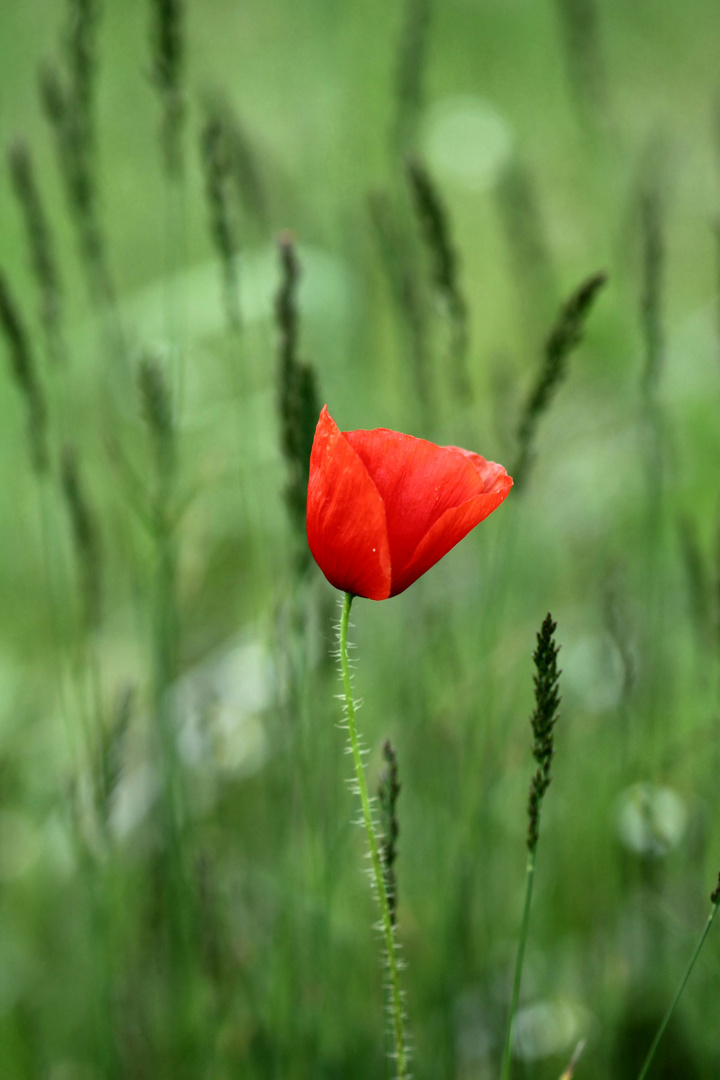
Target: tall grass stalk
x=580, y=27
x=67, y=93
x=168, y=67
x=214, y=154
x=69, y=120
x=683, y=983
x=400, y=263
x=158, y=412
x=40, y=246
x=23, y=370
x=435, y=229
x=563, y=339
x=298, y=403
x=654, y=447
x=410, y=65
x=89, y=574
x=25, y=373
x=378, y=875
x=519, y=962
x=388, y=792
x=543, y=719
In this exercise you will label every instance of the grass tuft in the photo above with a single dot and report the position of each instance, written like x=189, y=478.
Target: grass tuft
x=564, y=338
x=435, y=228
x=388, y=792
x=86, y=539
x=40, y=246
x=24, y=372
x=543, y=719
x=298, y=403
x=168, y=63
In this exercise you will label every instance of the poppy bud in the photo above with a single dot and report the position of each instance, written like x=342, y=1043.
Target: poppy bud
x=384, y=507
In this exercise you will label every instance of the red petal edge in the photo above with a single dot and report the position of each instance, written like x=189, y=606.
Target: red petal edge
x=418, y=482
x=455, y=524
x=346, y=526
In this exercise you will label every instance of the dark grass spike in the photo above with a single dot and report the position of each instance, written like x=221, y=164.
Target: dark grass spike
x=113, y=745
x=584, y=56
x=411, y=62
x=223, y=226
x=697, y=577
x=24, y=372
x=564, y=338
x=298, y=399
x=388, y=792
x=40, y=245
x=81, y=51
x=157, y=408
x=86, y=539
x=401, y=270
x=78, y=177
x=543, y=720
x=168, y=62
x=435, y=228
x=715, y=894
x=157, y=411
x=243, y=166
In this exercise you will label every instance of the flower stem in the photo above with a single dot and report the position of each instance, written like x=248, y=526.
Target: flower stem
x=401, y=1053
x=681, y=987
x=529, y=880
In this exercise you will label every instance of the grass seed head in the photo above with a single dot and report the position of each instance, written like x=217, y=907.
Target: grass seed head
x=543, y=719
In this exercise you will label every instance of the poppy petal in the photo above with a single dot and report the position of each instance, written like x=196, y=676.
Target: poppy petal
x=418, y=482
x=450, y=529
x=346, y=524
x=490, y=472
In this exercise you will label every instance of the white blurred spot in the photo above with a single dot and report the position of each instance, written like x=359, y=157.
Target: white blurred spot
x=132, y=799
x=547, y=1028
x=593, y=667
x=325, y=289
x=651, y=820
x=59, y=847
x=220, y=705
x=218, y=709
x=466, y=138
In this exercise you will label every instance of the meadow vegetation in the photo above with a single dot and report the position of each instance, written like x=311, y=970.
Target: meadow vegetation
x=490, y=225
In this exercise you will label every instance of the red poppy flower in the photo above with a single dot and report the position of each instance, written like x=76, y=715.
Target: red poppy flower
x=384, y=507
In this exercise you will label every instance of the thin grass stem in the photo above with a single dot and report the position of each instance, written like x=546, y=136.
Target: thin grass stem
x=529, y=881
x=678, y=993
x=398, y=1022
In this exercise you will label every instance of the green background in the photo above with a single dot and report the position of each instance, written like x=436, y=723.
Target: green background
x=616, y=533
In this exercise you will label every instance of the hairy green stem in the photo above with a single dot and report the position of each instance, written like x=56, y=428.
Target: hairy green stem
x=401, y=1054
x=681, y=987
x=529, y=880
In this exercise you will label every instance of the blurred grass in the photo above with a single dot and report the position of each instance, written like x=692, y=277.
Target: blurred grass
x=274, y=970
